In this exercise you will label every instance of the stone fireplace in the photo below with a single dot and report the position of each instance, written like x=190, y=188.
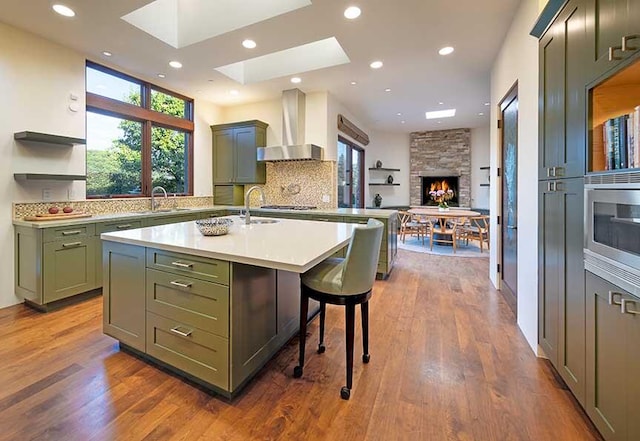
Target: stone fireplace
x=435, y=183
x=440, y=155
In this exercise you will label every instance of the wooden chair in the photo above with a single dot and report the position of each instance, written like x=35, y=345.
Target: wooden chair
x=409, y=224
x=478, y=229
x=443, y=232
x=347, y=282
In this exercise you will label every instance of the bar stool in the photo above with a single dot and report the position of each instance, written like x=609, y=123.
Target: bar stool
x=345, y=282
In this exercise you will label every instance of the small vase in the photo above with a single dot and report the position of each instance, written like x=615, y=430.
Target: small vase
x=378, y=164
x=390, y=179
x=377, y=200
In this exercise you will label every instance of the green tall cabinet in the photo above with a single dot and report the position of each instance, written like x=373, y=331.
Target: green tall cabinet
x=235, y=152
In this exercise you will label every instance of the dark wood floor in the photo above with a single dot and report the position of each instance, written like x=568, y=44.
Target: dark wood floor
x=447, y=363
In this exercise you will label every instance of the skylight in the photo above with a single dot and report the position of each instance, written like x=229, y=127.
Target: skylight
x=181, y=23
x=310, y=56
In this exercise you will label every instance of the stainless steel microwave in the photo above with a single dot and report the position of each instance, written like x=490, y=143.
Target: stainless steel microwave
x=612, y=232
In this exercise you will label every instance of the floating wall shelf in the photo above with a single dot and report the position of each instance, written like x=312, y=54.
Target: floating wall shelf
x=46, y=138
x=485, y=185
x=47, y=177
x=384, y=169
x=386, y=185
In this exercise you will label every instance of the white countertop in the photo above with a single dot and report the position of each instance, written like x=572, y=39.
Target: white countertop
x=290, y=245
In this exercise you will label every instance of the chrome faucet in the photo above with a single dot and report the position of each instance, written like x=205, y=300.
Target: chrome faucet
x=247, y=215
x=154, y=203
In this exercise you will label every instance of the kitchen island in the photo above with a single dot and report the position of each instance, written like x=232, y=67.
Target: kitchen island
x=213, y=309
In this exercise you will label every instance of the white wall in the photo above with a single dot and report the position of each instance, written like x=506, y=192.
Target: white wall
x=518, y=61
x=480, y=155
x=206, y=114
x=393, y=150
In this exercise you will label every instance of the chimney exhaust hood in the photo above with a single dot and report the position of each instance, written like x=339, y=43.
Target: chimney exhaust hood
x=293, y=127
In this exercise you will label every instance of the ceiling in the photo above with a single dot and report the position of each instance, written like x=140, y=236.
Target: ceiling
x=406, y=35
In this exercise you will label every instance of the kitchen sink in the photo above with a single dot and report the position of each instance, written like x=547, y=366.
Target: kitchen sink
x=264, y=221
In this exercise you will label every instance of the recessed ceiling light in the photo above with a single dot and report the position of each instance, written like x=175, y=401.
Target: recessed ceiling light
x=446, y=50
x=387, y=90
x=249, y=44
x=353, y=83
x=64, y=10
x=175, y=64
x=481, y=114
x=296, y=80
x=402, y=122
x=234, y=92
x=107, y=53
x=441, y=103
x=399, y=114
x=376, y=65
x=352, y=12
x=161, y=75
x=439, y=122
x=441, y=114
x=487, y=104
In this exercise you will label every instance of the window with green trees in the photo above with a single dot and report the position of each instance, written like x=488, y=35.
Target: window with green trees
x=138, y=136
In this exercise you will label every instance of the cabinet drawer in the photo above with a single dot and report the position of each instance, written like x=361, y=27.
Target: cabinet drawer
x=69, y=232
x=211, y=270
x=108, y=227
x=192, y=350
x=204, y=305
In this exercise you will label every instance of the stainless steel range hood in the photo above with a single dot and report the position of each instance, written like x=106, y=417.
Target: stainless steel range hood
x=293, y=127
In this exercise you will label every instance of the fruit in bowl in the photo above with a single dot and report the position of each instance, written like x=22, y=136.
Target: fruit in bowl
x=53, y=210
x=67, y=209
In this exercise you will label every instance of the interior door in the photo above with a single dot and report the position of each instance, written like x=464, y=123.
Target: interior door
x=509, y=212
x=350, y=175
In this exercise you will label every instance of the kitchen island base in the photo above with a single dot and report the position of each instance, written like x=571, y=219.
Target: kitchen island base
x=213, y=321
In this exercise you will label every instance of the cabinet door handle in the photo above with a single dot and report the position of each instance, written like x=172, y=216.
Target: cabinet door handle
x=612, y=55
x=612, y=298
x=182, y=265
x=511, y=227
x=71, y=244
x=558, y=186
x=625, y=42
x=625, y=309
x=180, y=284
x=552, y=186
x=71, y=233
x=177, y=330
x=558, y=172
x=123, y=227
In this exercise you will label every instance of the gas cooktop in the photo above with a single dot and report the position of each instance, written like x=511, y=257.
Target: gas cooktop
x=289, y=207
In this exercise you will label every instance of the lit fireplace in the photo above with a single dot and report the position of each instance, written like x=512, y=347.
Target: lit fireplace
x=435, y=183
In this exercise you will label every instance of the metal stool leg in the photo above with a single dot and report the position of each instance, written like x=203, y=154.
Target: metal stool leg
x=323, y=310
x=350, y=313
x=365, y=331
x=304, y=308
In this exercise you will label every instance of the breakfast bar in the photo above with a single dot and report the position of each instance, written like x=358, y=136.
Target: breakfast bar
x=213, y=309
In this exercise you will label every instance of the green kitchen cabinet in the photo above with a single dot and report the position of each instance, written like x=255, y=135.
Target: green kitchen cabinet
x=561, y=320
x=613, y=34
x=55, y=263
x=562, y=128
x=613, y=362
x=123, y=293
x=234, y=155
x=108, y=227
x=169, y=219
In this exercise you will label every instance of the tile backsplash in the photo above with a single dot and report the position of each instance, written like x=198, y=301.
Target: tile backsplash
x=300, y=183
x=105, y=206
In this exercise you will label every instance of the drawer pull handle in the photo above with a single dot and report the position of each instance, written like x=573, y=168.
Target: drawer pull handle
x=612, y=55
x=177, y=330
x=182, y=264
x=123, y=227
x=612, y=298
x=180, y=284
x=625, y=42
x=71, y=245
x=625, y=309
x=71, y=233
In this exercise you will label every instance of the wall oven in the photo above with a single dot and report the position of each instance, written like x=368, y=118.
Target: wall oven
x=612, y=234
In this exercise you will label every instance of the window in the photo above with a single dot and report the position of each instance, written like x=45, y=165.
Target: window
x=138, y=136
x=350, y=175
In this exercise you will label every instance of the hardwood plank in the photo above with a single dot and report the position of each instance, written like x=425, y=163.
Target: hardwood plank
x=447, y=363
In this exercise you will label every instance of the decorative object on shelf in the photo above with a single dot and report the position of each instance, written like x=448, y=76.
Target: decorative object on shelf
x=214, y=226
x=442, y=197
x=378, y=164
x=377, y=200
x=389, y=179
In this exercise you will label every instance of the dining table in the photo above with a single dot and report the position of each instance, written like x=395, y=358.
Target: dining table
x=443, y=216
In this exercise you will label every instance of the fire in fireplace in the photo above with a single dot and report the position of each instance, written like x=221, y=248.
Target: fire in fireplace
x=435, y=183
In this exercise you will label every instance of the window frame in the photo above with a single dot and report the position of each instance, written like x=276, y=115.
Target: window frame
x=349, y=160
x=149, y=118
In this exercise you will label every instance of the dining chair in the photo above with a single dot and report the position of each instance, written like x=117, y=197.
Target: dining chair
x=409, y=224
x=344, y=281
x=443, y=232
x=478, y=230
